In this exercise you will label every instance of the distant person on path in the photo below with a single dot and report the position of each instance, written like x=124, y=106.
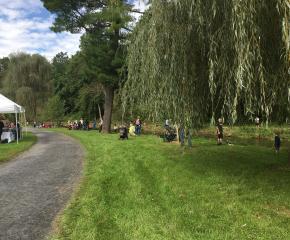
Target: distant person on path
x=220, y=131
x=1, y=128
x=277, y=143
x=138, y=124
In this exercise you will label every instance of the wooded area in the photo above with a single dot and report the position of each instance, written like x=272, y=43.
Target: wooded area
x=190, y=61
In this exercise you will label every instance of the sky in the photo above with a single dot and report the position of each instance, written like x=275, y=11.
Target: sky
x=24, y=27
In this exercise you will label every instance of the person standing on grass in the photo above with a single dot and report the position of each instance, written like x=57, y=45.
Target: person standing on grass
x=277, y=143
x=166, y=125
x=1, y=128
x=257, y=122
x=138, y=124
x=220, y=131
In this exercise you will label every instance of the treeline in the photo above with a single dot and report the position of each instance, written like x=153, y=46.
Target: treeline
x=185, y=60
x=196, y=61
x=49, y=91
x=27, y=80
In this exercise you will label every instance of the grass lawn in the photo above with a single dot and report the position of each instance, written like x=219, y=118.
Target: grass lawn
x=8, y=151
x=146, y=189
x=251, y=131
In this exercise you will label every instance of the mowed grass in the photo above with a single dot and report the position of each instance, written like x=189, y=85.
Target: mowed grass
x=146, y=189
x=10, y=150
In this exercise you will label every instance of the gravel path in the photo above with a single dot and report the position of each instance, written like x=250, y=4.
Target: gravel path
x=35, y=186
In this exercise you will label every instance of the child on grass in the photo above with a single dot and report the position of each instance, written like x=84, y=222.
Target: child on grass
x=219, y=131
x=132, y=129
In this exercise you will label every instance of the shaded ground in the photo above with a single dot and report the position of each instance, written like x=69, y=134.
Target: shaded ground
x=36, y=185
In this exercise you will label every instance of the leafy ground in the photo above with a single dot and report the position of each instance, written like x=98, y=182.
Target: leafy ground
x=146, y=189
x=8, y=151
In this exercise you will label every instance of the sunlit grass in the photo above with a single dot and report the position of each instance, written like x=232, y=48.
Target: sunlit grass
x=146, y=189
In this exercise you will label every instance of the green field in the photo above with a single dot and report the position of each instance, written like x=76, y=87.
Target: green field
x=8, y=151
x=146, y=189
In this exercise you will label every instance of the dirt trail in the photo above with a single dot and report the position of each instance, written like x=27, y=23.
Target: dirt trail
x=36, y=185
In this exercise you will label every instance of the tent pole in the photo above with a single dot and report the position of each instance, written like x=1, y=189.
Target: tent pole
x=16, y=127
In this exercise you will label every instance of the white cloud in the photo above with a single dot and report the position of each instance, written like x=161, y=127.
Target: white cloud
x=24, y=26
x=142, y=5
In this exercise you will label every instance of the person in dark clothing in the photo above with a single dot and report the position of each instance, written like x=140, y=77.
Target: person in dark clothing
x=220, y=132
x=1, y=129
x=169, y=135
x=123, y=133
x=277, y=143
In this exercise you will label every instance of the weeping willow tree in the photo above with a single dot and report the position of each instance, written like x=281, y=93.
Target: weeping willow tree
x=194, y=60
x=27, y=81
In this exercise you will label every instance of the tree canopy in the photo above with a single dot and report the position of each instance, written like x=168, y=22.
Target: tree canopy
x=28, y=81
x=194, y=61
x=106, y=24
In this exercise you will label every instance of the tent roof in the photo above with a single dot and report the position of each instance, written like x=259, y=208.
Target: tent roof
x=8, y=106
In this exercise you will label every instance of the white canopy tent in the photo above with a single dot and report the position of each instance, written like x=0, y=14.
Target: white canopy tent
x=8, y=106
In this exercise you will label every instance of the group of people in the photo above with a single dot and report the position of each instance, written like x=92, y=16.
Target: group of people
x=134, y=129
x=78, y=125
x=135, y=126
x=10, y=126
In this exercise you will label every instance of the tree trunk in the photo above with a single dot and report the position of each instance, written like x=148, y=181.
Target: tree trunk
x=108, y=107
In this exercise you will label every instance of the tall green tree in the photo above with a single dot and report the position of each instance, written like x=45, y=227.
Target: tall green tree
x=195, y=61
x=105, y=22
x=54, y=110
x=28, y=81
x=65, y=83
x=75, y=85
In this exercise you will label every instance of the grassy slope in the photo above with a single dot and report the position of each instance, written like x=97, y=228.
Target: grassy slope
x=8, y=151
x=145, y=189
